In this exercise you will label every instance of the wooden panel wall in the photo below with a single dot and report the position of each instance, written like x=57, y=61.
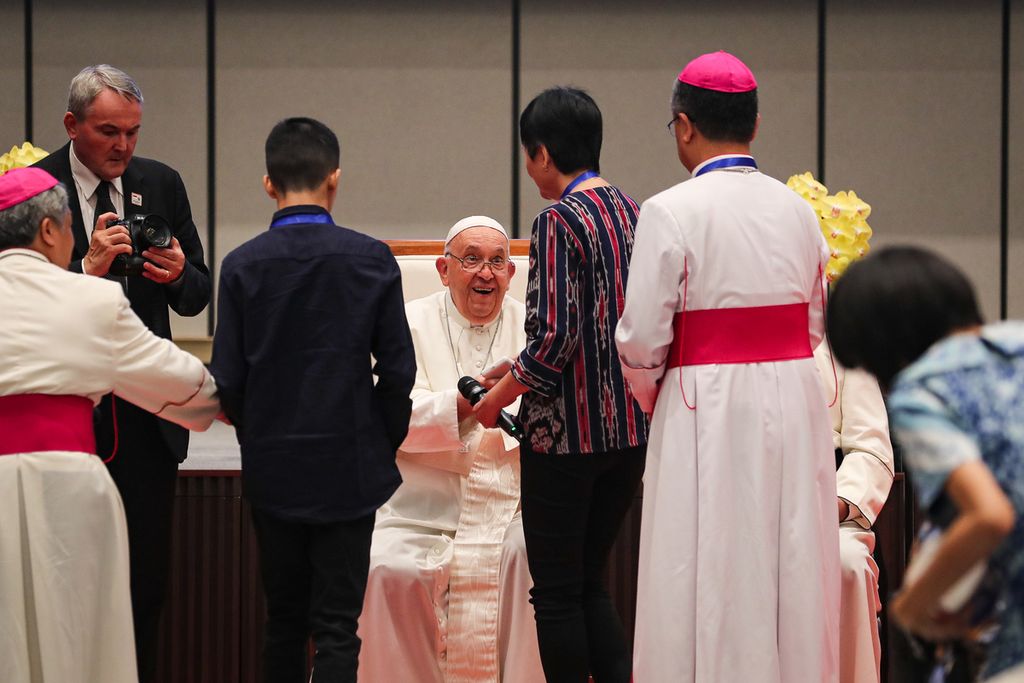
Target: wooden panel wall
x=212, y=628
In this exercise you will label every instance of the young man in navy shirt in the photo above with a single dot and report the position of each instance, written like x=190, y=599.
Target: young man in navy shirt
x=302, y=308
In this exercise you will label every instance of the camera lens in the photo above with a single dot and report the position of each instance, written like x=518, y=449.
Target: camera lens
x=156, y=231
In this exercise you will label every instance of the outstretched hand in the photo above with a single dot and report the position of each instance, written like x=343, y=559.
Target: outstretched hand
x=486, y=411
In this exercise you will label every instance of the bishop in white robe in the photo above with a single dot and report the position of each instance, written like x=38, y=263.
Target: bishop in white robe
x=447, y=599
x=739, y=558
x=68, y=339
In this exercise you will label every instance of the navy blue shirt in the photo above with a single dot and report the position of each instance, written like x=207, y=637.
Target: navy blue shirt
x=301, y=309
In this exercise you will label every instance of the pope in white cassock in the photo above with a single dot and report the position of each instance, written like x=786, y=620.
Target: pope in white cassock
x=860, y=436
x=68, y=339
x=739, y=575
x=447, y=599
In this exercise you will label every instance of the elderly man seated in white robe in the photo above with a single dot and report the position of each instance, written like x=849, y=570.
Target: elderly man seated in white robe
x=860, y=435
x=67, y=340
x=448, y=594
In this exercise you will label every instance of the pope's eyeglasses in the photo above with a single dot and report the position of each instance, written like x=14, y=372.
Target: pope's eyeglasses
x=474, y=264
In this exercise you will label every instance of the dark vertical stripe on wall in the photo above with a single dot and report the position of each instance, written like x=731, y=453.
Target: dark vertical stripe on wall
x=1004, y=169
x=211, y=154
x=28, y=70
x=822, y=5
x=515, y=117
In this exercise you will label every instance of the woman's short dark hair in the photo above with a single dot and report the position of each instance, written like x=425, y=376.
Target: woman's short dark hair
x=719, y=116
x=301, y=153
x=567, y=121
x=887, y=309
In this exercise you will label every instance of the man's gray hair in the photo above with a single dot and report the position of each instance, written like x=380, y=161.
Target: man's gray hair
x=19, y=224
x=92, y=80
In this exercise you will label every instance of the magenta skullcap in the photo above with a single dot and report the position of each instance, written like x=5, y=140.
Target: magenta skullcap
x=20, y=184
x=719, y=71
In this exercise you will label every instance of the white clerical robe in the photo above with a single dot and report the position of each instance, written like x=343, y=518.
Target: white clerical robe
x=860, y=430
x=447, y=597
x=739, y=576
x=65, y=607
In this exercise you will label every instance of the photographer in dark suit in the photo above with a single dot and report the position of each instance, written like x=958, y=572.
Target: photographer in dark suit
x=104, y=183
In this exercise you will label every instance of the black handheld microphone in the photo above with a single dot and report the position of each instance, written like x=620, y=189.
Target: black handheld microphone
x=474, y=391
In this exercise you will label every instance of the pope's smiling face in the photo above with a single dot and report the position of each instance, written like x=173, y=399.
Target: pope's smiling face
x=477, y=296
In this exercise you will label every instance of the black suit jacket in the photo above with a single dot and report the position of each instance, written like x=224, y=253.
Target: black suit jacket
x=160, y=190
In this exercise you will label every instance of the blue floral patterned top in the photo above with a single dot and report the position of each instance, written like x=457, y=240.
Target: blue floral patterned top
x=964, y=400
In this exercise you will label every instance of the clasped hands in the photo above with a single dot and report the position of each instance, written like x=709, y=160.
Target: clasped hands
x=462, y=403
x=500, y=393
x=163, y=266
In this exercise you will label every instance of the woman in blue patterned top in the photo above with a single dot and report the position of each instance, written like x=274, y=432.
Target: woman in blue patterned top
x=957, y=407
x=585, y=436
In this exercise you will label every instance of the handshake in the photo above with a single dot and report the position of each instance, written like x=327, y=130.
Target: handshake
x=473, y=391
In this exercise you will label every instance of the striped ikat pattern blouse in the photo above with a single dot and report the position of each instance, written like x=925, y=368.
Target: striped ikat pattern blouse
x=578, y=401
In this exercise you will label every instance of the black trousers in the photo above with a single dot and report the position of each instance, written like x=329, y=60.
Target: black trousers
x=145, y=472
x=573, y=507
x=314, y=577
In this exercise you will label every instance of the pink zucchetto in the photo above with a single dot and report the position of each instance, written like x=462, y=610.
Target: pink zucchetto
x=718, y=71
x=20, y=184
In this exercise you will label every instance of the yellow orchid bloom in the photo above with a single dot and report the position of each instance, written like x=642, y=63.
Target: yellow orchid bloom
x=842, y=218
x=19, y=157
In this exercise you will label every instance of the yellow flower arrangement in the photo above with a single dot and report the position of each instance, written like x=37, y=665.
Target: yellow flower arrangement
x=18, y=157
x=843, y=219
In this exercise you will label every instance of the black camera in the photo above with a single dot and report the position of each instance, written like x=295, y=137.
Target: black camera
x=145, y=230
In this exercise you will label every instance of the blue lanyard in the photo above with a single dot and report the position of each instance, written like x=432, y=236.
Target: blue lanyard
x=728, y=162
x=586, y=175
x=296, y=218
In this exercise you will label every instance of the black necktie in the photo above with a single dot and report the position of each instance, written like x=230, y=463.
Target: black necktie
x=103, y=203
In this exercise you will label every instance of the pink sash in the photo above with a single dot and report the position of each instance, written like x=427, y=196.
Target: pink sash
x=757, y=334
x=30, y=423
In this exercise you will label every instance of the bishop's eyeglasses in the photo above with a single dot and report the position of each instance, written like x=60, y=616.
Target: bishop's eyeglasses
x=474, y=264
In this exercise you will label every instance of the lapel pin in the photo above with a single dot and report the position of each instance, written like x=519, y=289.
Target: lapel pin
x=136, y=199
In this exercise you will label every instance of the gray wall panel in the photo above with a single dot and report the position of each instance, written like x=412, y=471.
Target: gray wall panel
x=418, y=96
x=913, y=125
x=628, y=56
x=12, y=76
x=169, y=64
